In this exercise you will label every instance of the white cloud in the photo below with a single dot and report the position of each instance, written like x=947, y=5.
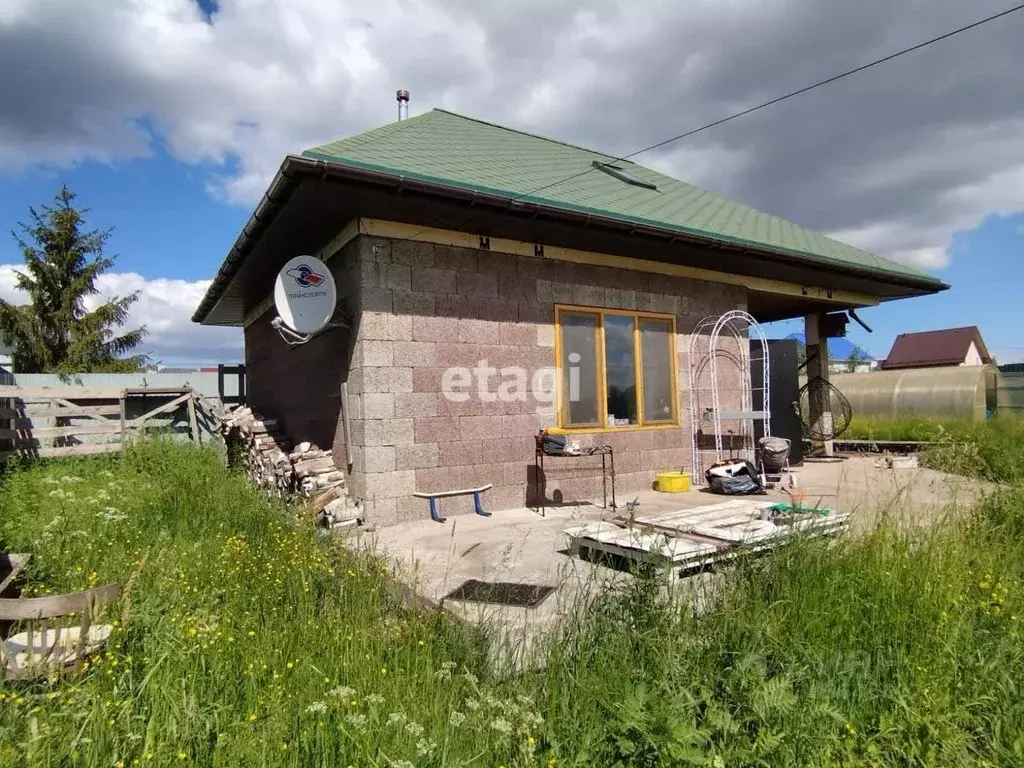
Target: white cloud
x=896, y=159
x=1007, y=355
x=164, y=307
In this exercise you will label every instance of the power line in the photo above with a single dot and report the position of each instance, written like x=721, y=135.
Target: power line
x=791, y=94
x=776, y=100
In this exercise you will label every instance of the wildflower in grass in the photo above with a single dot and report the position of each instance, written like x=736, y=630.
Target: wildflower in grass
x=456, y=718
x=316, y=708
x=400, y=764
x=425, y=747
x=374, y=699
x=342, y=693
x=501, y=725
x=396, y=719
x=356, y=720
x=470, y=677
x=414, y=729
x=472, y=704
x=112, y=515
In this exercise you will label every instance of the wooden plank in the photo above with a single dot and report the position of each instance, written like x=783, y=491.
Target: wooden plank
x=73, y=430
x=193, y=423
x=742, y=532
x=176, y=402
x=64, y=451
x=26, y=608
x=44, y=411
x=28, y=444
x=69, y=404
x=13, y=564
x=157, y=391
x=732, y=505
x=697, y=560
x=122, y=409
x=66, y=393
x=446, y=494
x=725, y=513
x=657, y=544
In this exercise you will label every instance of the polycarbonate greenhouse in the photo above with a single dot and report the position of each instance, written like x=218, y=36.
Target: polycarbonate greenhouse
x=964, y=392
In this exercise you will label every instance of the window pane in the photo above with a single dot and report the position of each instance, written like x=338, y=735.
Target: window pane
x=620, y=369
x=656, y=359
x=579, y=369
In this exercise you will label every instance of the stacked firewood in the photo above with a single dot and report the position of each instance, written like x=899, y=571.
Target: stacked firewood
x=285, y=470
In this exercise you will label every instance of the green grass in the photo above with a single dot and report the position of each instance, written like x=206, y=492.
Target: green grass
x=246, y=639
x=991, y=450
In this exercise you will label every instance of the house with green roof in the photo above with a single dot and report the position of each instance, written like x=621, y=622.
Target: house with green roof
x=493, y=283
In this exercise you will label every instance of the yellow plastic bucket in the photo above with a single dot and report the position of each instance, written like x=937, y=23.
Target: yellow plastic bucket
x=673, y=482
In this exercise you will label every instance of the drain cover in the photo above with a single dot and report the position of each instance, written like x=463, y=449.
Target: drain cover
x=501, y=592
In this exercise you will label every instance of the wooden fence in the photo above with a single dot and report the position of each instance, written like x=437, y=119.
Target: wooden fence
x=48, y=422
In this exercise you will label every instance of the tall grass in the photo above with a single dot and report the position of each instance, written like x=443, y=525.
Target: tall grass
x=992, y=449
x=242, y=637
x=246, y=639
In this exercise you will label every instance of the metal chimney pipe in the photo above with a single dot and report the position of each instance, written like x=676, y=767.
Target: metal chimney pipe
x=402, y=97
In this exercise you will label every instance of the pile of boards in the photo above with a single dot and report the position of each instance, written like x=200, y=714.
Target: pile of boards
x=690, y=540
x=284, y=470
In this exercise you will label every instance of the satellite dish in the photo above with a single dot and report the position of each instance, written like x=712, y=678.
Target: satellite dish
x=304, y=294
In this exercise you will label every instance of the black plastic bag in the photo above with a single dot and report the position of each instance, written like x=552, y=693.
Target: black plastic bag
x=734, y=478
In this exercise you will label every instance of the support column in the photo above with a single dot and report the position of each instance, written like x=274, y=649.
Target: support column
x=820, y=402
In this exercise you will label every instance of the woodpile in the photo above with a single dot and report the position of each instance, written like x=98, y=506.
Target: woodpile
x=284, y=470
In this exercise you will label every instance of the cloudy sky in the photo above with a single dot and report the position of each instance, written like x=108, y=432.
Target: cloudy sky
x=168, y=117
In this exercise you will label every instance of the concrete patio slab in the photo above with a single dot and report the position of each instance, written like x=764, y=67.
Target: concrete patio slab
x=523, y=547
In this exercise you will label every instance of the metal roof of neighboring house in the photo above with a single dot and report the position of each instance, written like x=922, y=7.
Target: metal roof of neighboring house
x=452, y=149
x=840, y=350
x=935, y=348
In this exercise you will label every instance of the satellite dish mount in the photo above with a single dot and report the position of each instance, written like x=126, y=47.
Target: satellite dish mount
x=305, y=297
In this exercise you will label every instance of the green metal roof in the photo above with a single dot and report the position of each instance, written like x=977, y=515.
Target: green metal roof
x=450, y=149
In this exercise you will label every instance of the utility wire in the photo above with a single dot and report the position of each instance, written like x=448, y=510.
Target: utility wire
x=776, y=100
x=791, y=94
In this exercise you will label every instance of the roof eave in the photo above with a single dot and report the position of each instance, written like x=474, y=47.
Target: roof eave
x=293, y=167
x=281, y=187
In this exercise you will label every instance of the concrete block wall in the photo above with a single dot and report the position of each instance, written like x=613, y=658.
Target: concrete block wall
x=301, y=385
x=426, y=308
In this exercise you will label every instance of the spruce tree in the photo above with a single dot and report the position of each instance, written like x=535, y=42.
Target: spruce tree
x=54, y=332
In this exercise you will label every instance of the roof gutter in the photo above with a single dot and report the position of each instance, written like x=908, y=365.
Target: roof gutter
x=293, y=168
x=280, y=190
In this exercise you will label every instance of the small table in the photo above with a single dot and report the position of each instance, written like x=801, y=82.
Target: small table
x=607, y=469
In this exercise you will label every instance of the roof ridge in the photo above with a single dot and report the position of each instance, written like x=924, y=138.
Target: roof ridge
x=532, y=135
x=391, y=127
x=943, y=330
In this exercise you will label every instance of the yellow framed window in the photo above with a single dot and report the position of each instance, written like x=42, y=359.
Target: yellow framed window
x=616, y=368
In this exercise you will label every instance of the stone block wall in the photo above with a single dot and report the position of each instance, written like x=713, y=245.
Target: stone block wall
x=426, y=308
x=301, y=385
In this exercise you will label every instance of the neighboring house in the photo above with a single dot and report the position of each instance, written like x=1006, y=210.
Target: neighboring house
x=843, y=355
x=493, y=283
x=934, y=349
